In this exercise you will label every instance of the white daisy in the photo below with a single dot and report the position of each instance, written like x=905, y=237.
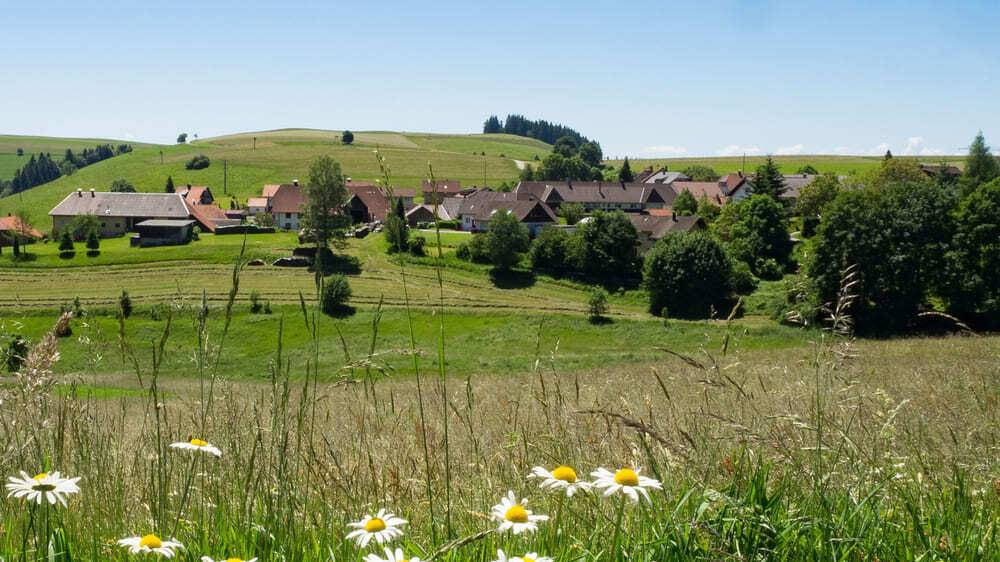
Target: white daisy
x=529, y=557
x=562, y=478
x=209, y=559
x=513, y=515
x=197, y=445
x=49, y=486
x=391, y=556
x=625, y=480
x=383, y=528
x=151, y=543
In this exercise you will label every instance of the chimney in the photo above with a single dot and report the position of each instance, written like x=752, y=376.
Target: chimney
x=189, y=186
x=92, y=192
x=673, y=216
x=295, y=182
x=79, y=192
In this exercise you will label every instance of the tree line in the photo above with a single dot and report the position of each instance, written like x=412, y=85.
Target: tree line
x=540, y=129
x=43, y=168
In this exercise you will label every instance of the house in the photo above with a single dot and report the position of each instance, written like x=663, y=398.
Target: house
x=118, y=213
x=162, y=233
x=269, y=190
x=257, y=205
x=593, y=195
x=653, y=227
x=641, y=175
x=425, y=213
x=286, y=205
x=711, y=190
x=203, y=209
x=406, y=194
x=445, y=189
x=478, y=209
x=736, y=186
x=932, y=171
x=663, y=176
x=367, y=204
x=13, y=226
x=793, y=184
x=197, y=195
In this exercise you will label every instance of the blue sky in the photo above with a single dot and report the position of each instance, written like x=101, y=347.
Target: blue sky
x=644, y=79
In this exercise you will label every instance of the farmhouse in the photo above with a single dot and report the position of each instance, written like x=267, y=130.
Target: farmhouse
x=478, y=209
x=711, y=190
x=13, y=226
x=445, y=189
x=200, y=202
x=370, y=203
x=593, y=195
x=662, y=176
x=118, y=213
x=257, y=205
x=286, y=205
x=932, y=171
x=425, y=213
x=653, y=227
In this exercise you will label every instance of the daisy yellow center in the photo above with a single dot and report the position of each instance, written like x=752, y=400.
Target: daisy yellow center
x=198, y=442
x=234, y=560
x=374, y=525
x=151, y=541
x=42, y=487
x=42, y=476
x=516, y=514
x=626, y=477
x=526, y=559
x=564, y=473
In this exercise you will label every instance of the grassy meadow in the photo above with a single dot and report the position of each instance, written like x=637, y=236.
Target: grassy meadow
x=283, y=155
x=824, y=163
x=10, y=161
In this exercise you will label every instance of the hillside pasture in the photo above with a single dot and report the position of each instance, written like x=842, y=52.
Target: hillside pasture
x=10, y=161
x=840, y=165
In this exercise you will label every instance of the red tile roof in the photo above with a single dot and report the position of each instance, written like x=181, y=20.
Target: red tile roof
x=699, y=189
x=288, y=198
x=14, y=224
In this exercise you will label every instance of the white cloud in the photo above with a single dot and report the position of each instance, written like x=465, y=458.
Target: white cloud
x=928, y=151
x=842, y=150
x=785, y=150
x=912, y=144
x=129, y=136
x=737, y=150
x=663, y=151
x=880, y=149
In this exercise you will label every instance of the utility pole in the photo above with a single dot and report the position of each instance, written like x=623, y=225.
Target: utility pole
x=484, y=172
x=255, y=143
x=743, y=170
x=161, y=157
x=225, y=170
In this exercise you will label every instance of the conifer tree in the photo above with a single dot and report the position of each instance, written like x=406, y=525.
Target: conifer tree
x=170, y=185
x=768, y=180
x=888, y=155
x=625, y=175
x=980, y=166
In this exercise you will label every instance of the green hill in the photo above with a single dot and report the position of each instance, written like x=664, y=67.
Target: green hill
x=281, y=156
x=10, y=161
x=841, y=165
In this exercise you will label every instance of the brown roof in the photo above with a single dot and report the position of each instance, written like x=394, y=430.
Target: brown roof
x=211, y=216
x=269, y=190
x=710, y=189
x=257, y=202
x=113, y=204
x=374, y=198
x=404, y=192
x=655, y=226
x=288, y=198
x=595, y=192
x=445, y=187
x=426, y=212
x=14, y=224
x=730, y=182
x=483, y=204
x=933, y=170
x=193, y=194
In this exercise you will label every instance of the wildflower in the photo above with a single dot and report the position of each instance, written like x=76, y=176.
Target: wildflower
x=513, y=515
x=49, y=486
x=151, y=543
x=390, y=556
x=562, y=478
x=383, y=528
x=208, y=559
x=625, y=480
x=529, y=557
x=197, y=445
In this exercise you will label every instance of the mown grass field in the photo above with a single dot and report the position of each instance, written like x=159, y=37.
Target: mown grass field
x=283, y=155
x=840, y=165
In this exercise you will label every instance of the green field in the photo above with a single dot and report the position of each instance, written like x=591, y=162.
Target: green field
x=281, y=156
x=10, y=161
x=840, y=165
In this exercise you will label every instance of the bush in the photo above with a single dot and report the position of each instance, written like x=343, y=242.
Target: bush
x=506, y=240
x=122, y=186
x=255, y=305
x=81, y=225
x=548, y=251
x=417, y=245
x=93, y=242
x=199, y=162
x=744, y=281
x=689, y=274
x=16, y=353
x=125, y=305
x=759, y=236
x=336, y=292
x=65, y=242
x=347, y=137
x=597, y=304
x=475, y=250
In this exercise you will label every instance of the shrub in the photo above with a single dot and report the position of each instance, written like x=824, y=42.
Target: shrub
x=65, y=242
x=506, y=239
x=760, y=236
x=347, y=137
x=81, y=225
x=690, y=274
x=597, y=304
x=548, y=251
x=199, y=162
x=255, y=305
x=744, y=281
x=122, y=186
x=417, y=245
x=16, y=353
x=93, y=242
x=336, y=291
x=474, y=250
x=125, y=305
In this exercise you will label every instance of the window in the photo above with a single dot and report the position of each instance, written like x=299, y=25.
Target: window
x=102, y=225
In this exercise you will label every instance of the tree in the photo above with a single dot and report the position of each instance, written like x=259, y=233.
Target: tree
x=20, y=152
x=625, y=174
x=604, y=247
x=685, y=204
x=122, y=186
x=22, y=232
x=336, y=292
x=65, y=242
x=527, y=174
x=506, y=239
x=170, y=185
x=199, y=162
x=347, y=137
x=888, y=155
x=891, y=171
x=700, y=173
x=81, y=225
x=707, y=210
x=572, y=212
x=980, y=165
x=565, y=146
x=93, y=242
x=897, y=237
x=125, y=305
x=325, y=199
x=591, y=153
x=687, y=275
x=597, y=304
x=973, y=290
x=813, y=199
x=397, y=231
x=549, y=250
x=182, y=138
x=807, y=169
x=768, y=180
x=553, y=168
x=492, y=125
x=760, y=237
